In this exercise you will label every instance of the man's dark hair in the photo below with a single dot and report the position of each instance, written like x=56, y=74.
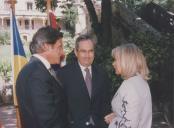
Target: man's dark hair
x=83, y=38
x=44, y=35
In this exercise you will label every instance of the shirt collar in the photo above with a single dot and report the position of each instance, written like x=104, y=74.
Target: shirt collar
x=83, y=68
x=43, y=60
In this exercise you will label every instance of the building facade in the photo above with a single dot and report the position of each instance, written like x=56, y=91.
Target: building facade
x=29, y=20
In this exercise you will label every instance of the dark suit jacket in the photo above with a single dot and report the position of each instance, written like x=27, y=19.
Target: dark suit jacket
x=41, y=99
x=81, y=107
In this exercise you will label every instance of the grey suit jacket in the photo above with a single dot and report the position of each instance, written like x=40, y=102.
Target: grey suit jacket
x=132, y=104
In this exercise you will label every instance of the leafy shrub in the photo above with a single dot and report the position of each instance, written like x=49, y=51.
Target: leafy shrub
x=156, y=50
x=4, y=38
x=5, y=70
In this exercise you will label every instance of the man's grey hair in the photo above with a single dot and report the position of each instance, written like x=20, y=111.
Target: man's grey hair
x=83, y=38
x=44, y=35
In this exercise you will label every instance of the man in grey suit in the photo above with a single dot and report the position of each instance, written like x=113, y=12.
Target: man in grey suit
x=40, y=94
x=86, y=87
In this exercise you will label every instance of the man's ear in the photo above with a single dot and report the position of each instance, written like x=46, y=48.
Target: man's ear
x=45, y=47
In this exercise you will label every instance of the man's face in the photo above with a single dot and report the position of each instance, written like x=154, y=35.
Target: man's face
x=85, y=53
x=54, y=52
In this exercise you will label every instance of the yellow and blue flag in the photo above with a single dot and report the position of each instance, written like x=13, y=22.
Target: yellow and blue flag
x=19, y=57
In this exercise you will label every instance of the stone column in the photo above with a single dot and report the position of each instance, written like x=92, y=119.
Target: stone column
x=2, y=22
x=43, y=21
x=30, y=25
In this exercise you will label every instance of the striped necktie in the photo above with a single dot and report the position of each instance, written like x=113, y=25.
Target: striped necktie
x=53, y=73
x=88, y=81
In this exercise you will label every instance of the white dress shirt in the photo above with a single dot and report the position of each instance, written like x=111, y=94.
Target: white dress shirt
x=83, y=70
x=43, y=60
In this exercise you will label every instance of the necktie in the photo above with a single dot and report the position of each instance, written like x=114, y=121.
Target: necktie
x=88, y=81
x=53, y=73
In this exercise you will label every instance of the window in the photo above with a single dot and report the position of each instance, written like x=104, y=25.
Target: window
x=20, y=23
x=29, y=6
x=6, y=6
x=8, y=22
x=26, y=24
x=25, y=38
x=32, y=23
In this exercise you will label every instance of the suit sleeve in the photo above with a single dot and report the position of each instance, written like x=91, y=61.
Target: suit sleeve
x=42, y=103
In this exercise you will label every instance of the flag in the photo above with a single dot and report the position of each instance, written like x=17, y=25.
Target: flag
x=54, y=24
x=53, y=21
x=18, y=58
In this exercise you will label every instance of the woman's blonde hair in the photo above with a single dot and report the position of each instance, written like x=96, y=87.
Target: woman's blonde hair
x=132, y=61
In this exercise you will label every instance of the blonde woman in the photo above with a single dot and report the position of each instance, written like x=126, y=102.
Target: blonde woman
x=131, y=105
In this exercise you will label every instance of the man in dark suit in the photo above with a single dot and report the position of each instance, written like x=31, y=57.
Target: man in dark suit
x=86, y=87
x=40, y=94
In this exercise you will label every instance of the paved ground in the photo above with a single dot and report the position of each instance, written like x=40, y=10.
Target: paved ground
x=7, y=117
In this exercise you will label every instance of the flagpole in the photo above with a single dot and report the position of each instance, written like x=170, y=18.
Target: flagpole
x=48, y=9
x=12, y=5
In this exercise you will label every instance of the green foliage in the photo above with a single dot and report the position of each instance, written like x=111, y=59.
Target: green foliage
x=41, y=4
x=69, y=11
x=5, y=70
x=71, y=57
x=70, y=15
x=104, y=59
x=68, y=42
x=4, y=38
x=69, y=47
x=156, y=50
x=133, y=4
x=169, y=5
x=136, y=5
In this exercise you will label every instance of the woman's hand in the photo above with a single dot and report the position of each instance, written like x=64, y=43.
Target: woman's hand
x=108, y=118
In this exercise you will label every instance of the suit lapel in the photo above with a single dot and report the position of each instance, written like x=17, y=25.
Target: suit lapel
x=53, y=74
x=45, y=69
x=81, y=80
x=94, y=82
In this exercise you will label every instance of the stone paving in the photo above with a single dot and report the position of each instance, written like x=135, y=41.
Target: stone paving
x=7, y=117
